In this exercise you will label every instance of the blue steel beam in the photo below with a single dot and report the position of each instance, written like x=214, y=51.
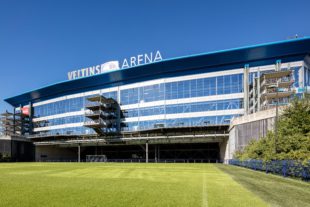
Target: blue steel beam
x=289, y=50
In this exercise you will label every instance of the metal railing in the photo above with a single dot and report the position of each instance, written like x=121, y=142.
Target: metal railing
x=286, y=168
x=138, y=160
x=89, y=112
x=93, y=122
x=98, y=112
x=275, y=80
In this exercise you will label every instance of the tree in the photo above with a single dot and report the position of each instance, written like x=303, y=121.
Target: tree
x=293, y=140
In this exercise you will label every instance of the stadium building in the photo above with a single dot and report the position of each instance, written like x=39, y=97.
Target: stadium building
x=151, y=109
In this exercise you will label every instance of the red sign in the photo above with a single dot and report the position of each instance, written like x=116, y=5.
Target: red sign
x=25, y=111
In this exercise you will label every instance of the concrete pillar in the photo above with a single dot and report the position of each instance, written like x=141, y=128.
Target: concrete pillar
x=223, y=146
x=156, y=153
x=146, y=152
x=79, y=153
x=278, y=65
x=118, y=110
x=246, y=88
x=14, y=121
x=258, y=89
x=21, y=119
x=254, y=93
x=30, y=118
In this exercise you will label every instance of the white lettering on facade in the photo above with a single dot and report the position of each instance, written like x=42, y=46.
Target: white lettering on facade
x=148, y=59
x=114, y=65
x=97, y=69
x=157, y=57
x=94, y=70
x=142, y=59
x=133, y=61
x=125, y=64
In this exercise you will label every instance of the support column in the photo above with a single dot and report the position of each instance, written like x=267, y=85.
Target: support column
x=79, y=153
x=21, y=120
x=254, y=93
x=278, y=68
x=30, y=118
x=118, y=118
x=258, y=90
x=14, y=121
x=156, y=153
x=146, y=152
x=278, y=65
x=118, y=110
x=246, y=88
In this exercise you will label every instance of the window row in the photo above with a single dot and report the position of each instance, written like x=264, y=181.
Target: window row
x=149, y=111
x=144, y=125
x=184, y=122
x=171, y=90
x=184, y=89
x=69, y=105
x=186, y=108
x=176, y=90
x=59, y=107
x=68, y=131
x=60, y=121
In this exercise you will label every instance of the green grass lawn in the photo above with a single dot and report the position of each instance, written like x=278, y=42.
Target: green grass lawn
x=113, y=184
x=275, y=190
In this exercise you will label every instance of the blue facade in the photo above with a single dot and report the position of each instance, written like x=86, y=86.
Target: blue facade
x=206, y=89
x=175, y=91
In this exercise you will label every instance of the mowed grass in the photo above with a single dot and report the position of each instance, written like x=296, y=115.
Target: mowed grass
x=120, y=184
x=276, y=190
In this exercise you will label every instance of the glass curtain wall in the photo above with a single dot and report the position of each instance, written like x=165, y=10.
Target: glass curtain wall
x=203, y=87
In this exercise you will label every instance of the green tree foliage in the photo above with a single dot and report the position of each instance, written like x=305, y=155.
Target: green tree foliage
x=292, y=142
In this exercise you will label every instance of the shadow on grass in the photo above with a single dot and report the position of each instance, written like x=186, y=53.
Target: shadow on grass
x=273, y=189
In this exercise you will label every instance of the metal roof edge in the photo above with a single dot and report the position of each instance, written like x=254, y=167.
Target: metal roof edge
x=168, y=60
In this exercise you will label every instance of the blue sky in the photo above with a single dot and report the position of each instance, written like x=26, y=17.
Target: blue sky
x=40, y=41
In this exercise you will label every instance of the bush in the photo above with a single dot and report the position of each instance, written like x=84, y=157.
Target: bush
x=293, y=140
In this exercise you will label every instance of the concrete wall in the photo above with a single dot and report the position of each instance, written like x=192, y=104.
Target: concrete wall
x=5, y=146
x=18, y=149
x=223, y=148
x=245, y=128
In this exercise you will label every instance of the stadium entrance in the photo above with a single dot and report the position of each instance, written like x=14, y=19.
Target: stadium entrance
x=199, y=144
x=176, y=152
x=198, y=152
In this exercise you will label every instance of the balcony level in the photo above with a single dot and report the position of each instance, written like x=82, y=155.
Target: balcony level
x=101, y=99
x=273, y=95
x=100, y=106
x=276, y=74
x=99, y=123
x=94, y=115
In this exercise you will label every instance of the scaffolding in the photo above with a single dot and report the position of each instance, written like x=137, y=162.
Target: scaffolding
x=10, y=124
x=270, y=89
x=103, y=115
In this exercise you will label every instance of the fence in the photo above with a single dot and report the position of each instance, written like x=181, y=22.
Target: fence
x=141, y=160
x=285, y=168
